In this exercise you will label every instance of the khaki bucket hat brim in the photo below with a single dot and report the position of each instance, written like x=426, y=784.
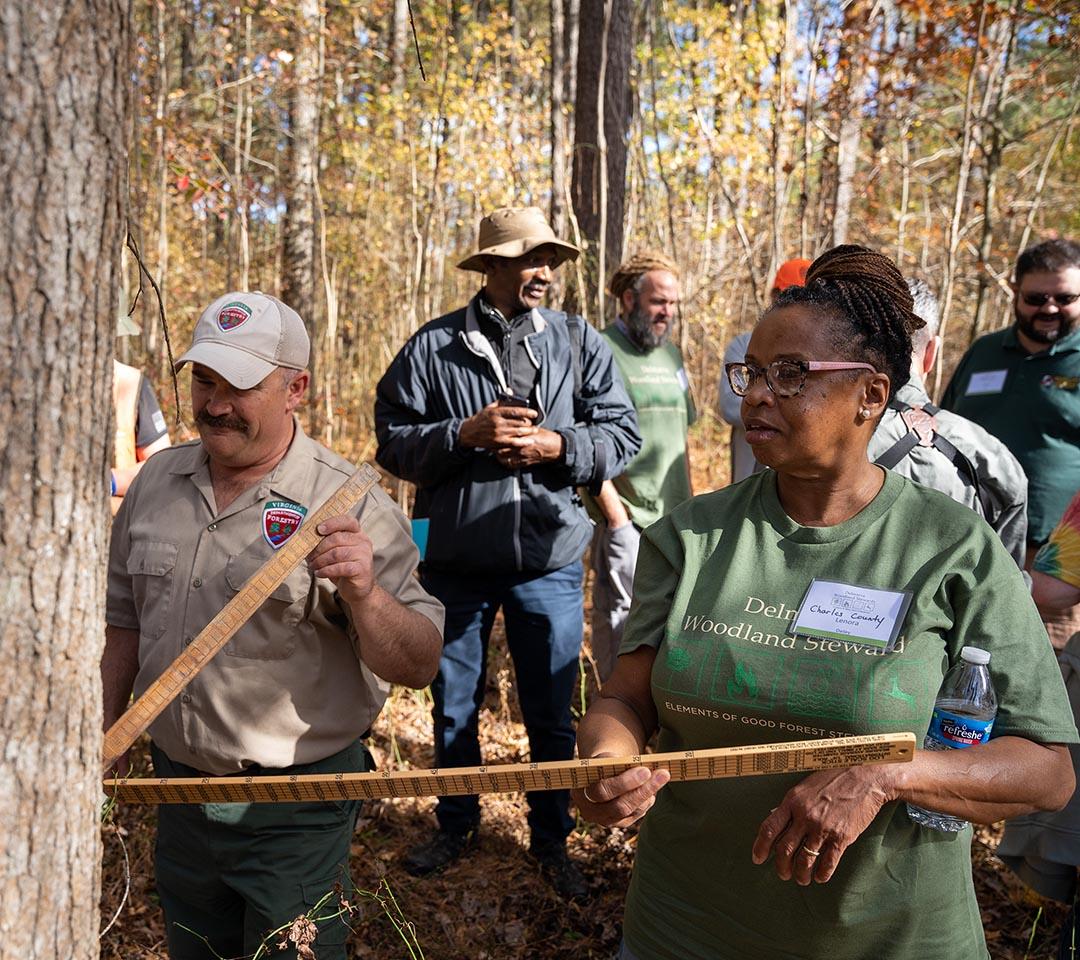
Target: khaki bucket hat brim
x=513, y=232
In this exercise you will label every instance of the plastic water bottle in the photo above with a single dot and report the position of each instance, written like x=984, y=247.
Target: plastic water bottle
x=963, y=717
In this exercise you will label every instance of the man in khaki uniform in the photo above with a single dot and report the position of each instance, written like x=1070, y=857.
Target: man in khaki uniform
x=299, y=685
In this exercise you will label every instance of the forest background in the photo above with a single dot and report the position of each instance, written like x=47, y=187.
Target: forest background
x=340, y=154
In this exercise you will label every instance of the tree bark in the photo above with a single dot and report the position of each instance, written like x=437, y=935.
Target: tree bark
x=399, y=44
x=558, y=122
x=1004, y=34
x=599, y=163
x=63, y=93
x=854, y=64
x=782, y=165
x=160, y=109
x=298, y=255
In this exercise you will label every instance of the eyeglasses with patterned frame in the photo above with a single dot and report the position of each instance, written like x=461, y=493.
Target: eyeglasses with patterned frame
x=785, y=378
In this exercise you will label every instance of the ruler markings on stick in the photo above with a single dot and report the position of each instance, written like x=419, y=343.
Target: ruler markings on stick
x=754, y=760
x=234, y=615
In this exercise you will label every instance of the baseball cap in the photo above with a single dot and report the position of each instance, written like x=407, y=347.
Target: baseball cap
x=792, y=273
x=244, y=337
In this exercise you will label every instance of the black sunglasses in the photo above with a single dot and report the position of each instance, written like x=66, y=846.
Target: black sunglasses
x=1040, y=299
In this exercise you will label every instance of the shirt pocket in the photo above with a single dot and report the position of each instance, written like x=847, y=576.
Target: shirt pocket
x=150, y=564
x=274, y=628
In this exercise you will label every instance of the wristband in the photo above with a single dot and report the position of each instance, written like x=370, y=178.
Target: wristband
x=112, y=482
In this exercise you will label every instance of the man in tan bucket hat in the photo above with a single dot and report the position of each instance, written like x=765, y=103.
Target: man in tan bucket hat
x=297, y=687
x=497, y=412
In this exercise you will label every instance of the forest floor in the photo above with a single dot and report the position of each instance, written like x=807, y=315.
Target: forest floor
x=493, y=903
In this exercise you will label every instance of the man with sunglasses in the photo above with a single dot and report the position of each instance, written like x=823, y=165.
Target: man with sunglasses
x=1022, y=384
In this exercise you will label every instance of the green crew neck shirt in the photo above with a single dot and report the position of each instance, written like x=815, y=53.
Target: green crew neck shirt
x=719, y=581
x=657, y=479
x=1031, y=403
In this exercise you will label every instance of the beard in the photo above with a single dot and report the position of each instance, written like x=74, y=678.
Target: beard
x=641, y=330
x=1028, y=329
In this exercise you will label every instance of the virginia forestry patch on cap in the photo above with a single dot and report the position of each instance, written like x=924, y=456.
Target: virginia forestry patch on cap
x=280, y=520
x=232, y=315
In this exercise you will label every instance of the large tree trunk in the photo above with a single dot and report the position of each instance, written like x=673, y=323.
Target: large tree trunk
x=63, y=87
x=598, y=187
x=298, y=259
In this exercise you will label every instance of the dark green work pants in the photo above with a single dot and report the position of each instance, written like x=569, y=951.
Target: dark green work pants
x=231, y=873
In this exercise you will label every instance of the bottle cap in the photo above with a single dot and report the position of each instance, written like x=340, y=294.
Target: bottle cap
x=975, y=655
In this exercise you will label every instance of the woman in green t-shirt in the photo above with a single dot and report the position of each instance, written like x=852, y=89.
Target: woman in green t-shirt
x=710, y=658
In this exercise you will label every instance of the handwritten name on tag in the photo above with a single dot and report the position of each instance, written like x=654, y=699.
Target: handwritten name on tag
x=846, y=611
x=986, y=381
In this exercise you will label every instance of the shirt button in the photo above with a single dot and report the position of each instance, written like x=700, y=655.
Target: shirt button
x=186, y=698
x=187, y=640
x=212, y=527
x=197, y=582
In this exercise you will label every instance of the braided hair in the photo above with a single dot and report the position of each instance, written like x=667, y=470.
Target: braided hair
x=869, y=305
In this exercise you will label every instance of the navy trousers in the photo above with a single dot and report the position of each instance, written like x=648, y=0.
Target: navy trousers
x=543, y=615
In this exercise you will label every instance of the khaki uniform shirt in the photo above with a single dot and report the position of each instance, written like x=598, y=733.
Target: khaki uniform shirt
x=289, y=687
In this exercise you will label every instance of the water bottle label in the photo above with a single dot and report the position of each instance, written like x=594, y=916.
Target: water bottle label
x=954, y=730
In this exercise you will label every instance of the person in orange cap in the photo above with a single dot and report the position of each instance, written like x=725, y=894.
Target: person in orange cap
x=792, y=273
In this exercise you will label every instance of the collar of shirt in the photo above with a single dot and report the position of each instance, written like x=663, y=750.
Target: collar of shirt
x=493, y=322
x=1012, y=342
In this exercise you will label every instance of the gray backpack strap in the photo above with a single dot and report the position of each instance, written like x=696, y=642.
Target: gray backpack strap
x=891, y=457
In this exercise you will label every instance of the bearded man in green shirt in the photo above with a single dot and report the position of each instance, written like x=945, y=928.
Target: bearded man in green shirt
x=646, y=288
x=1022, y=384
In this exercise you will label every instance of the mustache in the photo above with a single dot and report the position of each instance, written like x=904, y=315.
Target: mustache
x=222, y=422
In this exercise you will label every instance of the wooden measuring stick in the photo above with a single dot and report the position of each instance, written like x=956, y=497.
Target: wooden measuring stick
x=747, y=761
x=233, y=616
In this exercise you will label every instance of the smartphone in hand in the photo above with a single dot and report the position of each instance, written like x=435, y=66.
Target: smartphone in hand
x=512, y=400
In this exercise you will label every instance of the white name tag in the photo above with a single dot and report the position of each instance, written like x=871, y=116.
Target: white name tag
x=986, y=381
x=845, y=611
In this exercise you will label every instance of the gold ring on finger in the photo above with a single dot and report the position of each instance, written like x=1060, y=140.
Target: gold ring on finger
x=813, y=853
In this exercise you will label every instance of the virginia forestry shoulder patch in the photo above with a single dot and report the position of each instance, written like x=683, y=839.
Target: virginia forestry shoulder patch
x=280, y=520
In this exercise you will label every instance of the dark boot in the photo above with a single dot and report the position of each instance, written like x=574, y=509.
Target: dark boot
x=561, y=873
x=439, y=852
